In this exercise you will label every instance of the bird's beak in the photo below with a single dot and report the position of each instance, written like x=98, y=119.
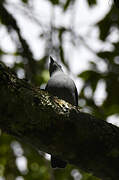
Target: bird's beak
x=51, y=60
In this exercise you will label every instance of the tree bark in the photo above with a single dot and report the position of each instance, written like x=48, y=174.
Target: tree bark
x=56, y=127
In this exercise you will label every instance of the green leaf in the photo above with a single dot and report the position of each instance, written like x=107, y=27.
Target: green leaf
x=25, y=1
x=66, y=5
x=107, y=56
x=104, y=26
x=109, y=21
x=91, y=2
x=54, y=2
x=91, y=78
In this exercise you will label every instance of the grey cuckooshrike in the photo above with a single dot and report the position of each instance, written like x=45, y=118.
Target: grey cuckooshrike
x=63, y=87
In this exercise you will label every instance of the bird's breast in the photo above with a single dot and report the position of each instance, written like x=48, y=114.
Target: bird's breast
x=62, y=87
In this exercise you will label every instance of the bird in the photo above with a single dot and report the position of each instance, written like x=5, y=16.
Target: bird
x=62, y=86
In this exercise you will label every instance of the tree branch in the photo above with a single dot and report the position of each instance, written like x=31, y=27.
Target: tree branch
x=11, y=24
x=58, y=128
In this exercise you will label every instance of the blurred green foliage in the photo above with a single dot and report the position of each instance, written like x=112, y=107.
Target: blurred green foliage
x=11, y=150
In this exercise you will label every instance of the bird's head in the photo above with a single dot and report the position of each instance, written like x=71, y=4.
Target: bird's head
x=54, y=66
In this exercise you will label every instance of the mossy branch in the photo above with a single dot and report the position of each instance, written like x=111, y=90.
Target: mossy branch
x=56, y=127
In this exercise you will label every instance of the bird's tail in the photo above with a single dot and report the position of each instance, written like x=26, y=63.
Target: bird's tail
x=57, y=163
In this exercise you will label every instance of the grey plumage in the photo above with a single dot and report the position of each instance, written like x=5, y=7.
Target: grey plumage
x=63, y=87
